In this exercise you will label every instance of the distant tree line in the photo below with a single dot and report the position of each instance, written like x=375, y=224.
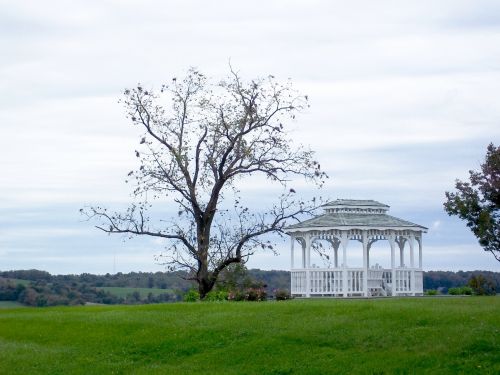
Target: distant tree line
x=161, y=280
x=42, y=293
x=40, y=288
x=444, y=280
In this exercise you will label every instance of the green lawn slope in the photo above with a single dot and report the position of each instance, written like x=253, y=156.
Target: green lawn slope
x=382, y=336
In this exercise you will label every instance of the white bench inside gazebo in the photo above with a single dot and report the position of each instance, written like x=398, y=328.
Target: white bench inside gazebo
x=366, y=221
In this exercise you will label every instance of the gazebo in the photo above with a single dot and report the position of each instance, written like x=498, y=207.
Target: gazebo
x=366, y=221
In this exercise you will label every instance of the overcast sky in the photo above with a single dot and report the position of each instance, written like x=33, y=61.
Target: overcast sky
x=404, y=100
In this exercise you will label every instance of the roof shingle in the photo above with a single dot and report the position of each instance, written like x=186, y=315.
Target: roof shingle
x=357, y=220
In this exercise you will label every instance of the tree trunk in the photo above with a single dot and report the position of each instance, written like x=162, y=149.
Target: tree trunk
x=204, y=276
x=205, y=279
x=205, y=285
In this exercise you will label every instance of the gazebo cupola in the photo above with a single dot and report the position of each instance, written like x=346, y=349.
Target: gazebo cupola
x=366, y=221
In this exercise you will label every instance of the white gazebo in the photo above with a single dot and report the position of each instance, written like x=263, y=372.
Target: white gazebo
x=366, y=221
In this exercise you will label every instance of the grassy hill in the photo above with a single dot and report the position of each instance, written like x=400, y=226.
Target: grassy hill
x=404, y=335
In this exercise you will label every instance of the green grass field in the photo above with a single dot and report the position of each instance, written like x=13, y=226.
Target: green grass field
x=10, y=304
x=123, y=292
x=383, y=336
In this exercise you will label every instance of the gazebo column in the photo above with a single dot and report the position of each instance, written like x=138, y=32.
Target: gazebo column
x=401, y=244
x=308, y=264
x=411, y=241
x=392, y=242
x=365, y=263
x=370, y=243
x=344, y=240
x=292, y=252
x=303, y=243
x=308, y=251
x=336, y=245
x=335, y=242
x=420, y=252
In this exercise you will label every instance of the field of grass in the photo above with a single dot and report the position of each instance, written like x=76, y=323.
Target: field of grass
x=10, y=304
x=383, y=336
x=123, y=292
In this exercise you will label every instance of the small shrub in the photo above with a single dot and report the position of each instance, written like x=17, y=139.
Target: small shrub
x=236, y=295
x=249, y=294
x=192, y=295
x=216, y=295
x=282, y=294
x=431, y=292
x=467, y=290
x=255, y=294
x=460, y=291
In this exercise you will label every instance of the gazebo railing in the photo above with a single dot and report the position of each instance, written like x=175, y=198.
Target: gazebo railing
x=355, y=280
x=419, y=281
x=409, y=280
x=326, y=281
x=298, y=282
x=330, y=281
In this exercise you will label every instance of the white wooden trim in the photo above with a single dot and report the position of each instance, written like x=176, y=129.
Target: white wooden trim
x=360, y=227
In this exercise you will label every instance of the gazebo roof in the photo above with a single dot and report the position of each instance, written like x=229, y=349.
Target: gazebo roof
x=355, y=203
x=347, y=214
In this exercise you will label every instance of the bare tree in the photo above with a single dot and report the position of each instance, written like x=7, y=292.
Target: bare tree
x=199, y=141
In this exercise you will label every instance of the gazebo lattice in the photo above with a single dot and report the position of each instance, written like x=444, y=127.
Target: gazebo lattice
x=367, y=221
